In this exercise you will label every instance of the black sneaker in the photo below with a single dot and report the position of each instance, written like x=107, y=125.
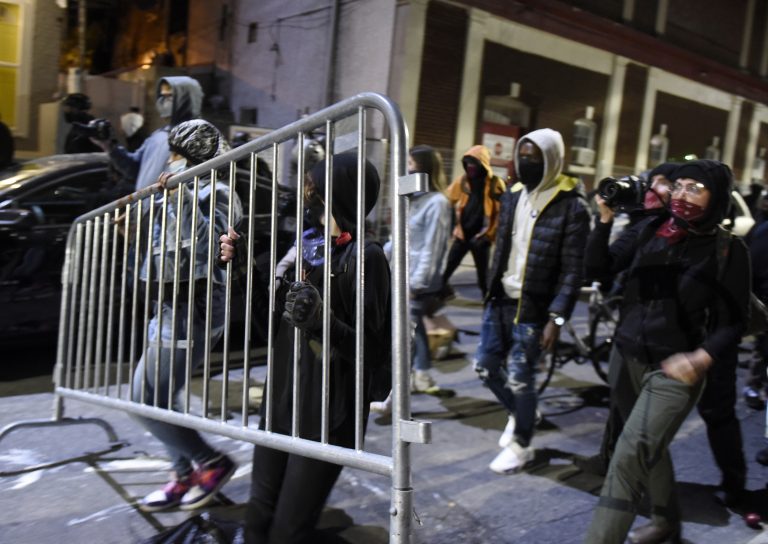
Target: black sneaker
x=753, y=399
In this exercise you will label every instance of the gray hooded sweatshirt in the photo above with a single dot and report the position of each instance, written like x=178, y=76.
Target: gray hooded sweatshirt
x=149, y=161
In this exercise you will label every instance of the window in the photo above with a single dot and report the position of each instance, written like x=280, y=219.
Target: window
x=253, y=31
x=9, y=60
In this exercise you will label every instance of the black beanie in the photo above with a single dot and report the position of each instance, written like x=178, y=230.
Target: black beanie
x=665, y=169
x=344, y=199
x=716, y=177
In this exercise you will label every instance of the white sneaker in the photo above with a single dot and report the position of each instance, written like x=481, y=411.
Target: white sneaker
x=509, y=431
x=383, y=407
x=423, y=382
x=511, y=459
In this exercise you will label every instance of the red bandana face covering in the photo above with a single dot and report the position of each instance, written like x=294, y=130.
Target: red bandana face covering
x=683, y=210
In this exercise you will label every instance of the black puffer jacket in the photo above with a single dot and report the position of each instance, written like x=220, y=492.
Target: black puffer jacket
x=553, y=268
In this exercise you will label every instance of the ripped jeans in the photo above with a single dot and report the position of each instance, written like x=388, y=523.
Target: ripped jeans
x=506, y=363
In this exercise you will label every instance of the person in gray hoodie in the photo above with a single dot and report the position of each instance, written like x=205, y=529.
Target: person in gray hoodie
x=179, y=98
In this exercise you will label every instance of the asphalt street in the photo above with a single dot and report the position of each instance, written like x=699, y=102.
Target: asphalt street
x=69, y=484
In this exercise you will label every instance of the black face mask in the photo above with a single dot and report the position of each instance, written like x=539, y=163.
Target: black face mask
x=531, y=173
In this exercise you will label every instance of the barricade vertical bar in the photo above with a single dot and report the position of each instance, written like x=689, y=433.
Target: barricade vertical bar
x=209, y=295
x=248, y=289
x=191, y=297
x=76, y=267
x=100, y=321
x=299, y=267
x=83, y=304
x=63, y=342
x=89, y=332
x=111, y=304
x=328, y=199
x=360, y=279
x=148, y=263
x=160, y=297
x=135, y=300
x=400, y=527
x=174, y=312
x=227, y=295
x=271, y=318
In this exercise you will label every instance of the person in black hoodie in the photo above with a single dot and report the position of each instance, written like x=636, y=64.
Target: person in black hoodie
x=683, y=313
x=654, y=205
x=717, y=405
x=288, y=491
x=75, y=107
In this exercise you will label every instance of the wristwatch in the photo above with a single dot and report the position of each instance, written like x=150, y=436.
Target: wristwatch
x=557, y=319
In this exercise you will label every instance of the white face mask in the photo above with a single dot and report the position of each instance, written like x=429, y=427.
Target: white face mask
x=174, y=167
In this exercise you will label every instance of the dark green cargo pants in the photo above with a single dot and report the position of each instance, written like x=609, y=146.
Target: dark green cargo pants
x=641, y=461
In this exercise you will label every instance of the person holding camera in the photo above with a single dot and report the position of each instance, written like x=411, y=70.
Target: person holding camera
x=535, y=279
x=179, y=98
x=75, y=107
x=717, y=405
x=643, y=206
x=683, y=313
x=475, y=197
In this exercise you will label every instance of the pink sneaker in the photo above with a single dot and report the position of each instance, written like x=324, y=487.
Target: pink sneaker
x=208, y=480
x=168, y=497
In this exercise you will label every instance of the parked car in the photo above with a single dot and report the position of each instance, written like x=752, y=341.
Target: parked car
x=39, y=200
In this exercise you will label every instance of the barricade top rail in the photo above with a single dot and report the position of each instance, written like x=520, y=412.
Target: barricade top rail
x=338, y=111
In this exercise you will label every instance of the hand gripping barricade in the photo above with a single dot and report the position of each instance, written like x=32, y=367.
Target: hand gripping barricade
x=108, y=290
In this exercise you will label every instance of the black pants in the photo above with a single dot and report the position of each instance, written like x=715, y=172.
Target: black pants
x=757, y=379
x=717, y=408
x=288, y=493
x=480, y=250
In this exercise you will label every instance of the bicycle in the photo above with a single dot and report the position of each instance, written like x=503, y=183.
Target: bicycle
x=594, y=347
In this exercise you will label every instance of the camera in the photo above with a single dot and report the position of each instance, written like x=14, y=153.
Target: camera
x=625, y=193
x=98, y=129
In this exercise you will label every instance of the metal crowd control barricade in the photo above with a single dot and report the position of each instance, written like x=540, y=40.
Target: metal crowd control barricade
x=115, y=254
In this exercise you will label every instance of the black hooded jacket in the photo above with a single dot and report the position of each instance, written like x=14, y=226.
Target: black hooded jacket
x=675, y=299
x=377, y=321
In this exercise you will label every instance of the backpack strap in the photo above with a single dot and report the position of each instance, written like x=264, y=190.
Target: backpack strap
x=723, y=240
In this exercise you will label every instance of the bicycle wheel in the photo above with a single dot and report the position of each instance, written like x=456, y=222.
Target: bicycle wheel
x=602, y=325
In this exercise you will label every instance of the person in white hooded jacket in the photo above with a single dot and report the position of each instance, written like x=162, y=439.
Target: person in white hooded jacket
x=534, y=282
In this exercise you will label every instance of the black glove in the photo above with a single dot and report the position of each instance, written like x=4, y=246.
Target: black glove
x=303, y=306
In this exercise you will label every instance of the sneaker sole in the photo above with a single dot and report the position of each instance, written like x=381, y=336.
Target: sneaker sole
x=149, y=509
x=511, y=470
x=209, y=497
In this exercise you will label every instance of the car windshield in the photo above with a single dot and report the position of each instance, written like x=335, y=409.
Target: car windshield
x=16, y=175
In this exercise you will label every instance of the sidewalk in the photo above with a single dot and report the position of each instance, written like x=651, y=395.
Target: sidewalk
x=88, y=491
